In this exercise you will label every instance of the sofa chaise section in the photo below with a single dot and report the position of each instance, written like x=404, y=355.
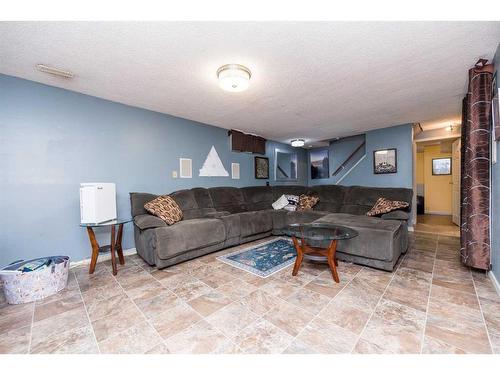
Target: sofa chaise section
x=378, y=243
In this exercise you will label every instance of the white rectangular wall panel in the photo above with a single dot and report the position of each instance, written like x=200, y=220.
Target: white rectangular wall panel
x=235, y=171
x=185, y=168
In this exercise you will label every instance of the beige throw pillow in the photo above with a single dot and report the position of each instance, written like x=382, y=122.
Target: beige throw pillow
x=165, y=208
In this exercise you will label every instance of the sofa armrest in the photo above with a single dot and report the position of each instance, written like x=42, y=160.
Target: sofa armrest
x=146, y=221
x=216, y=214
x=396, y=215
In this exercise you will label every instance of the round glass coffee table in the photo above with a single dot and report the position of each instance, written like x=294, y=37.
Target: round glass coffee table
x=318, y=241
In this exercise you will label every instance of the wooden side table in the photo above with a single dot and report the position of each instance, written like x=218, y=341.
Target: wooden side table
x=115, y=243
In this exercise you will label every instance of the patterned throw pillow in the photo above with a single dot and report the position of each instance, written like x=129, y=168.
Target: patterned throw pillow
x=307, y=202
x=383, y=206
x=165, y=208
x=293, y=200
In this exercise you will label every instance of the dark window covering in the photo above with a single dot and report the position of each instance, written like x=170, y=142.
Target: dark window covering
x=475, y=166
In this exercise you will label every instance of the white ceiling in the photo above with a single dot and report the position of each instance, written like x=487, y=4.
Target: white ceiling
x=313, y=80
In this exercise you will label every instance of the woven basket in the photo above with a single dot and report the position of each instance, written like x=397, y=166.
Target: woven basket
x=23, y=287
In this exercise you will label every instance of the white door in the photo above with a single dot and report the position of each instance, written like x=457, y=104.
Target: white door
x=455, y=174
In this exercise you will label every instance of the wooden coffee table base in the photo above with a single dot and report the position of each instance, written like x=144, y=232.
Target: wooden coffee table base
x=329, y=252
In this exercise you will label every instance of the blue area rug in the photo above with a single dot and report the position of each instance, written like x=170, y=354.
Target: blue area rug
x=263, y=259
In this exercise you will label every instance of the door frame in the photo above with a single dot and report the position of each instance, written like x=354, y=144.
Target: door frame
x=415, y=141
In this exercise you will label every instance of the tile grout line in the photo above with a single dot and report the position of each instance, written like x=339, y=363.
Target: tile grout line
x=298, y=307
x=87, y=313
x=31, y=327
x=378, y=302
x=429, y=297
x=137, y=307
x=196, y=312
x=185, y=302
x=317, y=315
x=108, y=272
x=259, y=318
x=482, y=313
x=203, y=318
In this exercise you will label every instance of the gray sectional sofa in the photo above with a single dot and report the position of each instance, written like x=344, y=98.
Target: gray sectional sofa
x=219, y=217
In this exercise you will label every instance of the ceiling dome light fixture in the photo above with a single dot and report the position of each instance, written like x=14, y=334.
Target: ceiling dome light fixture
x=298, y=142
x=234, y=77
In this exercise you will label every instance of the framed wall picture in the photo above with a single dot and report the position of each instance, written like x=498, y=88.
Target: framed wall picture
x=385, y=161
x=319, y=164
x=441, y=166
x=261, y=168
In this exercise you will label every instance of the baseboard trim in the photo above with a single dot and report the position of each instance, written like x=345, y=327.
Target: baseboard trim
x=443, y=213
x=102, y=258
x=495, y=282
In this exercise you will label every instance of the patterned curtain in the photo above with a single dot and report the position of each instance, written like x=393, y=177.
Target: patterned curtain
x=475, y=189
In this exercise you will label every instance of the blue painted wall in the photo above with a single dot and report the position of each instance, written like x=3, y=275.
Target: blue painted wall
x=338, y=152
x=495, y=195
x=52, y=139
x=399, y=137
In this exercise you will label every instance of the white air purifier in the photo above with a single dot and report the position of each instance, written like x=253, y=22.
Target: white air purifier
x=97, y=202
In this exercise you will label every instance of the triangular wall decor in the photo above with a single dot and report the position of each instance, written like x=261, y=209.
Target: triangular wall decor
x=213, y=167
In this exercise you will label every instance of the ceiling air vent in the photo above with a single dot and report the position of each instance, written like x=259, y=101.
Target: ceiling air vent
x=55, y=71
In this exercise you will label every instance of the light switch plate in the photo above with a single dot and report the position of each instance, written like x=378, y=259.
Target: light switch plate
x=174, y=174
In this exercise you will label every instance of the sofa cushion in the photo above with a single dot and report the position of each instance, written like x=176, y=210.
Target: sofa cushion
x=282, y=218
x=137, y=202
x=302, y=217
x=258, y=197
x=255, y=222
x=396, y=215
x=165, y=208
x=215, y=214
x=377, y=238
x=384, y=206
x=354, y=209
x=203, y=198
x=331, y=197
x=279, y=190
x=231, y=224
x=188, y=235
x=366, y=197
x=228, y=199
x=187, y=202
x=147, y=221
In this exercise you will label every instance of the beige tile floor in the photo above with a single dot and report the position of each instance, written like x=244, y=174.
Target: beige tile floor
x=431, y=304
x=441, y=224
